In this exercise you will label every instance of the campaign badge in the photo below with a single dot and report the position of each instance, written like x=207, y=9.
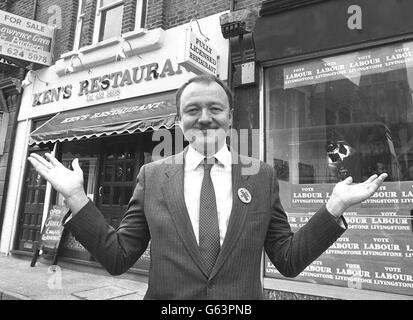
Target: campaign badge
x=244, y=195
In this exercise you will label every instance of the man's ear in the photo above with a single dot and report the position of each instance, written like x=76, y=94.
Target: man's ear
x=180, y=125
x=231, y=116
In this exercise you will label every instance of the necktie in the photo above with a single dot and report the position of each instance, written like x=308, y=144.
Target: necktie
x=209, y=244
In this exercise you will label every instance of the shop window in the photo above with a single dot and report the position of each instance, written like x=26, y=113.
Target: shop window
x=347, y=115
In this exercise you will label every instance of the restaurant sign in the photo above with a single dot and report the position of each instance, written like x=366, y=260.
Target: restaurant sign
x=200, y=57
x=25, y=39
x=102, y=87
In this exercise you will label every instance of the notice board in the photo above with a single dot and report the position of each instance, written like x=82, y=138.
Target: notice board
x=52, y=232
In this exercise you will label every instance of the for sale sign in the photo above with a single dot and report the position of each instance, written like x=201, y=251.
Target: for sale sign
x=25, y=39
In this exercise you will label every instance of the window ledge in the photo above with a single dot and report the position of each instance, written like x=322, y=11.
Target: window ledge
x=100, y=45
x=105, y=52
x=330, y=291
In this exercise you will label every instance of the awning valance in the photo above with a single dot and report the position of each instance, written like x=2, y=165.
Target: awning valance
x=126, y=116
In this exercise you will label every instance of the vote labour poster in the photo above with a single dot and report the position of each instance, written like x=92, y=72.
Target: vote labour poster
x=25, y=39
x=374, y=253
x=349, y=66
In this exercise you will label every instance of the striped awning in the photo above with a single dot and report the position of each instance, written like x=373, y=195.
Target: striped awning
x=126, y=116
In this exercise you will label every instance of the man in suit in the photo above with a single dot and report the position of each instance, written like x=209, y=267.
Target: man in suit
x=208, y=221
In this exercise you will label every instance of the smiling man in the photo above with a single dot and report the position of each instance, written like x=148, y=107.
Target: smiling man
x=208, y=222
x=205, y=113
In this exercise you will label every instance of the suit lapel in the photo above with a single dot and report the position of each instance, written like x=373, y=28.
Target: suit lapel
x=173, y=191
x=238, y=213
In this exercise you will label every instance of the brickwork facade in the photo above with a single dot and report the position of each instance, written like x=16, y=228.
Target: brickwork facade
x=128, y=20
x=63, y=15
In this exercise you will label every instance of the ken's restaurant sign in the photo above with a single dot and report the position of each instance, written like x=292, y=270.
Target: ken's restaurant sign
x=108, y=85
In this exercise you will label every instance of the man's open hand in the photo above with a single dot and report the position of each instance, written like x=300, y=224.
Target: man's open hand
x=67, y=182
x=346, y=194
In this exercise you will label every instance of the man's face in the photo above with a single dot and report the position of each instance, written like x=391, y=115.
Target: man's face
x=205, y=116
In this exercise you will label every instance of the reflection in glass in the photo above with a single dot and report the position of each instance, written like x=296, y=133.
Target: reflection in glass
x=108, y=175
x=121, y=155
x=117, y=196
x=129, y=171
x=130, y=151
x=128, y=194
x=324, y=126
x=348, y=115
x=106, y=195
x=119, y=172
x=41, y=195
x=110, y=153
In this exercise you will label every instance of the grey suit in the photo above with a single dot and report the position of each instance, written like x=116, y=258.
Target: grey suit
x=157, y=212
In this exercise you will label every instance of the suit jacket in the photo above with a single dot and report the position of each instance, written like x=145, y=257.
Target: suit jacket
x=157, y=212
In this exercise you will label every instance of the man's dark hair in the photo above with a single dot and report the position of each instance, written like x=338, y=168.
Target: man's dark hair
x=204, y=78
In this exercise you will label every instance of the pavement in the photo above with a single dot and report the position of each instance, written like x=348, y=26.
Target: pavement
x=65, y=281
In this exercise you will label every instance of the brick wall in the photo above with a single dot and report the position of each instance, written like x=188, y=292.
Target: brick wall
x=22, y=8
x=247, y=4
x=4, y=5
x=86, y=37
x=128, y=20
x=155, y=17
x=65, y=33
x=171, y=13
x=178, y=12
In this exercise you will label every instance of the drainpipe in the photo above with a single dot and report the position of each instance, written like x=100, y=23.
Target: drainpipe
x=231, y=8
x=35, y=3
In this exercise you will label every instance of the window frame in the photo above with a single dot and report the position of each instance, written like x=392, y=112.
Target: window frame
x=79, y=24
x=140, y=14
x=301, y=287
x=98, y=17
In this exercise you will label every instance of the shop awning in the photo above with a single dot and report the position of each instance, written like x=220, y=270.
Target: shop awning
x=126, y=116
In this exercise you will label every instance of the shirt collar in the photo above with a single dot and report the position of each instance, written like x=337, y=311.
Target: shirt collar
x=193, y=158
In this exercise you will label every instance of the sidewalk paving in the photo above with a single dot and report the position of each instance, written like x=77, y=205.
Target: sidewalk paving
x=19, y=281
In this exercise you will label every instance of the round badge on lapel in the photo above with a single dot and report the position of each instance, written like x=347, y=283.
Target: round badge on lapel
x=244, y=195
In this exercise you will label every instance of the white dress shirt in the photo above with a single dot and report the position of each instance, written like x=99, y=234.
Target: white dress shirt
x=222, y=181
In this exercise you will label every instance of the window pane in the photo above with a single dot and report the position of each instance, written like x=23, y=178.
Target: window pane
x=83, y=35
x=111, y=23
x=129, y=172
x=108, y=175
x=128, y=194
x=347, y=115
x=106, y=2
x=110, y=152
x=117, y=196
x=120, y=172
x=106, y=195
